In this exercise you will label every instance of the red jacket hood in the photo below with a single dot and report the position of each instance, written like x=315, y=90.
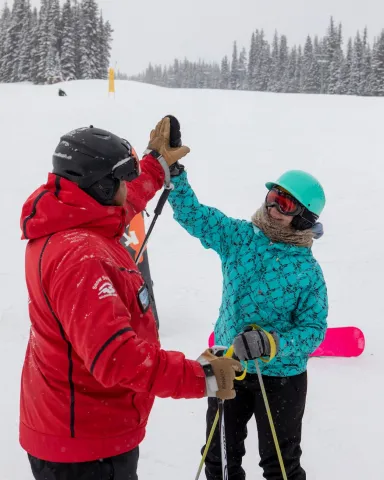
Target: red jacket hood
x=61, y=205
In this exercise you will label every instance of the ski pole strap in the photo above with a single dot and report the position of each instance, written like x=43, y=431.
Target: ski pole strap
x=229, y=354
x=272, y=344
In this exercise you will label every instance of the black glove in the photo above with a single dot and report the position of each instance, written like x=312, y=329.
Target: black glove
x=175, y=141
x=252, y=344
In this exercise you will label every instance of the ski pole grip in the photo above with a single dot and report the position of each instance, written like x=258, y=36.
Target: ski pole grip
x=175, y=134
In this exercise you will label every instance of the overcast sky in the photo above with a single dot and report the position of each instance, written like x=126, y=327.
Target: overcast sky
x=158, y=31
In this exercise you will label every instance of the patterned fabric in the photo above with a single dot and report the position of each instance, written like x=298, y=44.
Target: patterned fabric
x=278, y=286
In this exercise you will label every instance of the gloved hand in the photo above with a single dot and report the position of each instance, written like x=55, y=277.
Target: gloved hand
x=160, y=143
x=221, y=369
x=253, y=344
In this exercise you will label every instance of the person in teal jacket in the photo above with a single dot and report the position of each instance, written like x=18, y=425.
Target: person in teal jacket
x=270, y=279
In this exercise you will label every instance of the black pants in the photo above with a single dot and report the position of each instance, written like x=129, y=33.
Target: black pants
x=121, y=467
x=286, y=397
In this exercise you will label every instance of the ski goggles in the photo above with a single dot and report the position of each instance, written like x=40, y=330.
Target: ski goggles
x=284, y=202
x=128, y=168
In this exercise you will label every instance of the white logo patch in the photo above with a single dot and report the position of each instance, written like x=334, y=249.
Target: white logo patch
x=105, y=288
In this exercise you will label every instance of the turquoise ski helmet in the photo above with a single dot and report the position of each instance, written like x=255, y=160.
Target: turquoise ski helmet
x=304, y=187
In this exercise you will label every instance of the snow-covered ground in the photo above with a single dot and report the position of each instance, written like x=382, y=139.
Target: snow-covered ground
x=239, y=140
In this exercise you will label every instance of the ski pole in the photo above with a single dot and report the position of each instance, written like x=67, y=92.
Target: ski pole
x=272, y=425
x=208, y=444
x=159, y=208
x=174, y=142
x=223, y=441
x=229, y=354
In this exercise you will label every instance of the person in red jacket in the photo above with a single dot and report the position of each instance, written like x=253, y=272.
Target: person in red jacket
x=94, y=364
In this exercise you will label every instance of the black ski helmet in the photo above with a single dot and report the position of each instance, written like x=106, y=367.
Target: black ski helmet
x=96, y=160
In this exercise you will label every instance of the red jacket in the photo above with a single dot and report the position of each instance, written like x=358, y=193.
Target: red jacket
x=93, y=364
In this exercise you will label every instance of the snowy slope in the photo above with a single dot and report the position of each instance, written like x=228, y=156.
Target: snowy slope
x=239, y=140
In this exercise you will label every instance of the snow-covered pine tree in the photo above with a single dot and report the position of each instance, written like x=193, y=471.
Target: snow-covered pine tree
x=43, y=44
x=225, y=74
x=78, y=29
x=356, y=86
x=10, y=63
x=26, y=45
x=53, y=63
x=283, y=73
x=299, y=70
x=273, y=81
x=104, y=50
x=252, y=63
x=345, y=71
x=311, y=70
x=5, y=20
x=377, y=87
x=367, y=71
x=34, y=42
x=243, y=70
x=292, y=84
x=68, y=43
x=265, y=66
x=89, y=41
x=234, y=76
x=336, y=63
x=331, y=45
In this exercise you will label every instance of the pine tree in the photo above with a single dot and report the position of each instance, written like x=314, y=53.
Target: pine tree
x=330, y=67
x=104, y=50
x=345, y=71
x=273, y=83
x=68, y=48
x=356, y=86
x=88, y=40
x=377, y=87
x=5, y=20
x=292, y=85
x=77, y=19
x=43, y=44
x=336, y=63
x=53, y=63
x=252, y=63
x=234, y=77
x=10, y=62
x=225, y=74
x=26, y=46
x=299, y=70
x=265, y=67
x=283, y=73
x=243, y=70
x=367, y=67
x=311, y=70
x=33, y=45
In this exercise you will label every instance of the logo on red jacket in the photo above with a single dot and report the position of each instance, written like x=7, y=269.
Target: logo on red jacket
x=105, y=288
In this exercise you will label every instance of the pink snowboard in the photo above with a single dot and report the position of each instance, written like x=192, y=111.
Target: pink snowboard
x=338, y=342
x=341, y=342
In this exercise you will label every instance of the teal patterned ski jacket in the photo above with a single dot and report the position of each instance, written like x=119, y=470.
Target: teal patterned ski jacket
x=277, y=286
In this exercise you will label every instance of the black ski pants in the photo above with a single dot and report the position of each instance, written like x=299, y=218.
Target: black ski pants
x=287, y=396
x=121, y=467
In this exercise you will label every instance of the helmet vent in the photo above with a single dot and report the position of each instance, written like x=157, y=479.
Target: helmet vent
x=100, y=135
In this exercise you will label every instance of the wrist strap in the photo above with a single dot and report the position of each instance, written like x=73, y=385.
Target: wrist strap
x=162, y=162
